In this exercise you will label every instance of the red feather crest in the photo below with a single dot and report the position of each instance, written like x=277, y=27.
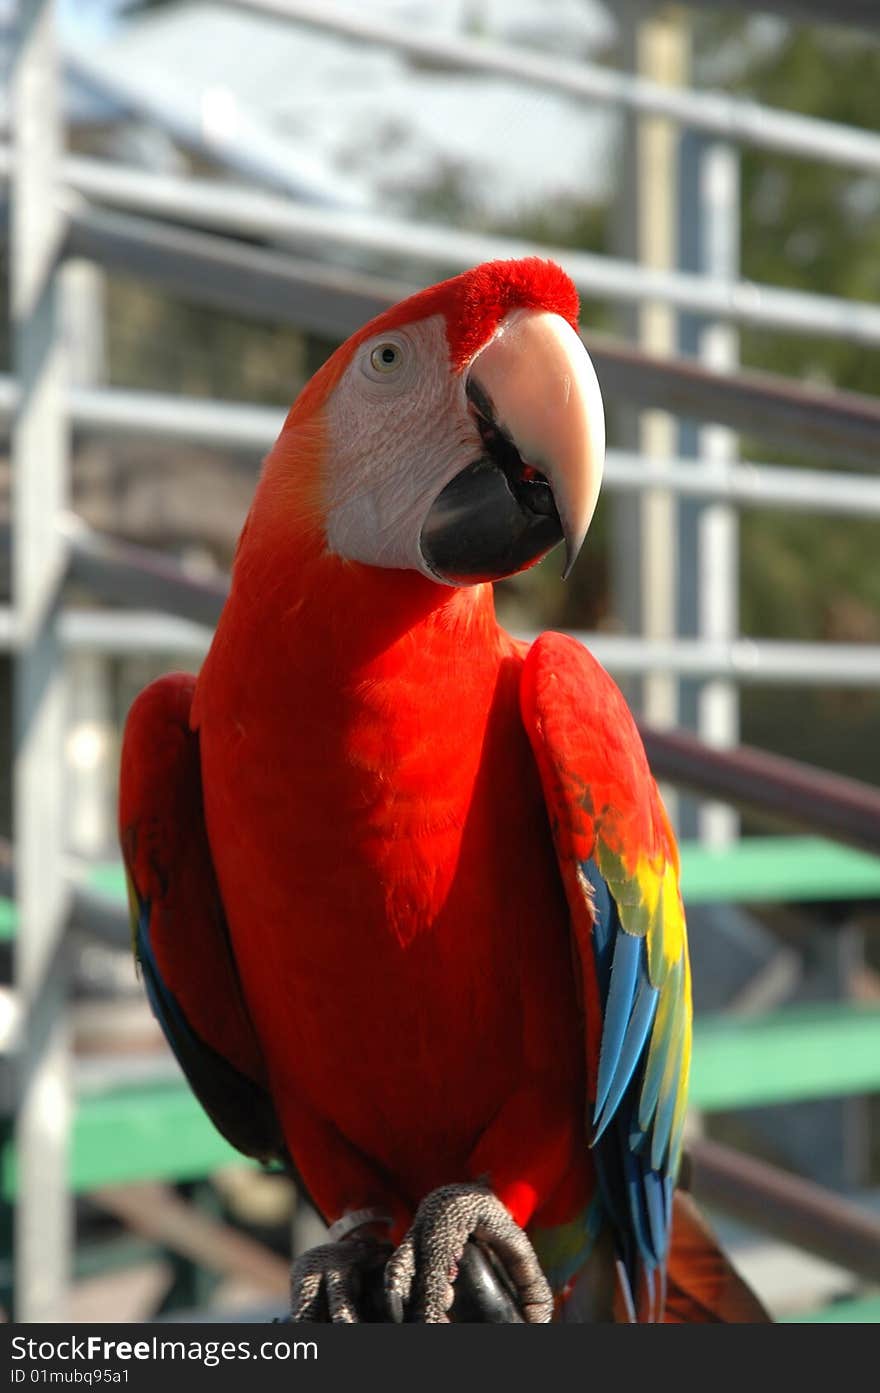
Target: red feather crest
x=476, y=302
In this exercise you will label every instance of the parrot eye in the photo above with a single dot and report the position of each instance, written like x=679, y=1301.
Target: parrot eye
x=387, y=366
x=386, y=357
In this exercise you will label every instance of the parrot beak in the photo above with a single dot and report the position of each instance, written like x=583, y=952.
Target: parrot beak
x=536, y=402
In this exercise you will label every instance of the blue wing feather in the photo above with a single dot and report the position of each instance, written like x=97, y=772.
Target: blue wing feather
x=619, y=1137
x=605, y=926
x=640, y=1021
x=618, y=1009
x=662, y=1129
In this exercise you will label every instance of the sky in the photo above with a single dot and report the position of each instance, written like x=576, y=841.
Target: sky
x=354, y=122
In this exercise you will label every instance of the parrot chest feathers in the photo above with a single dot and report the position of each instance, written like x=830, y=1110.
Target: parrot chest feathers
x=404, y=882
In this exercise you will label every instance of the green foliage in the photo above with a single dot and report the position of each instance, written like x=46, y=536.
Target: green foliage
x=166, y=344
x=808, y=587
x=817, y=228
x=813, y=226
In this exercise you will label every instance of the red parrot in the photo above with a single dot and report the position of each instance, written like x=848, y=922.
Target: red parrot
x=404, y=893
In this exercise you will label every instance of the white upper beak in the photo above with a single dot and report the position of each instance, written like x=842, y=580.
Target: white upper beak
x=545, y=395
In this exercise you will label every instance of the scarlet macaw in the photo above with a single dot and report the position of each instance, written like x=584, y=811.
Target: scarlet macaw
x=404, y=892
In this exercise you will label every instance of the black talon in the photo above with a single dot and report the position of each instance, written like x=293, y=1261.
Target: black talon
x=482, y=1292
x=394, y=1302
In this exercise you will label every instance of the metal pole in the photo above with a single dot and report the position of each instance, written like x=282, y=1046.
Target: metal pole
x=708, y=583
x=644, y=528
x=43, y=1235
x=90, y=746
x=750, y=485
x=90, y=754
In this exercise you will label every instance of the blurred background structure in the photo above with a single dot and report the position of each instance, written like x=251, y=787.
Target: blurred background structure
x=202, y=199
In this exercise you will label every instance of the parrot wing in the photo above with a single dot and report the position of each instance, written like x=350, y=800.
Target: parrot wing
x=619, y=864
x=179, y=933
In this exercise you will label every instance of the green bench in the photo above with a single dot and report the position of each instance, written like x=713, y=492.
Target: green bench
x=158, y=1131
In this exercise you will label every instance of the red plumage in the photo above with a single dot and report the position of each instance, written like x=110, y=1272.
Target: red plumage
x=404, y=917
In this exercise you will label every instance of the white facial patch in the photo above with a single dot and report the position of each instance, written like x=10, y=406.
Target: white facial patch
x=398, y=431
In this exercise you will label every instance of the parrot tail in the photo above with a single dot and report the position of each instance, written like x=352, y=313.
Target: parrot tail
x=702, y=1285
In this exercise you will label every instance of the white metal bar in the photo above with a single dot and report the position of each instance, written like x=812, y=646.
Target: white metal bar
x=747, y=661
x=133, y=633
x=91, y=756
x=92, y=911
x=752, y=662
x=154, y=416
x=714, y=113
x=751, y=485
x=708, y=576
x=655, y=44
x=44, y=1232
x=116, y=412
x=718, y=550
x=250, y=212
x=137, y=576
x=91, y=746
x=235, y=276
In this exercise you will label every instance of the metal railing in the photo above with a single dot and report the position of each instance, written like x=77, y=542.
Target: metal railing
x=183, y=609
x=117, y=413
x=252, y=213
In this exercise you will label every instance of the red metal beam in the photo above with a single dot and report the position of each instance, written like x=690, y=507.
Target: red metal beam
x=784, y=790
x=795, y=1210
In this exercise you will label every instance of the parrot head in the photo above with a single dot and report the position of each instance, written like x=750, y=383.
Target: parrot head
x=460, y=434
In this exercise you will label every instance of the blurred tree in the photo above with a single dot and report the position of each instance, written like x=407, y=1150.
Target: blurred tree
x=166, y=344
x=817, y=228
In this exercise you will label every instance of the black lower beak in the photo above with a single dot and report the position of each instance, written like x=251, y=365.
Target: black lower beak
x=497, y=517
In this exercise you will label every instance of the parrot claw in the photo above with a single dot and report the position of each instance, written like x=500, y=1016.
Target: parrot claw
x=420, y=1274
x=332, y=1282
